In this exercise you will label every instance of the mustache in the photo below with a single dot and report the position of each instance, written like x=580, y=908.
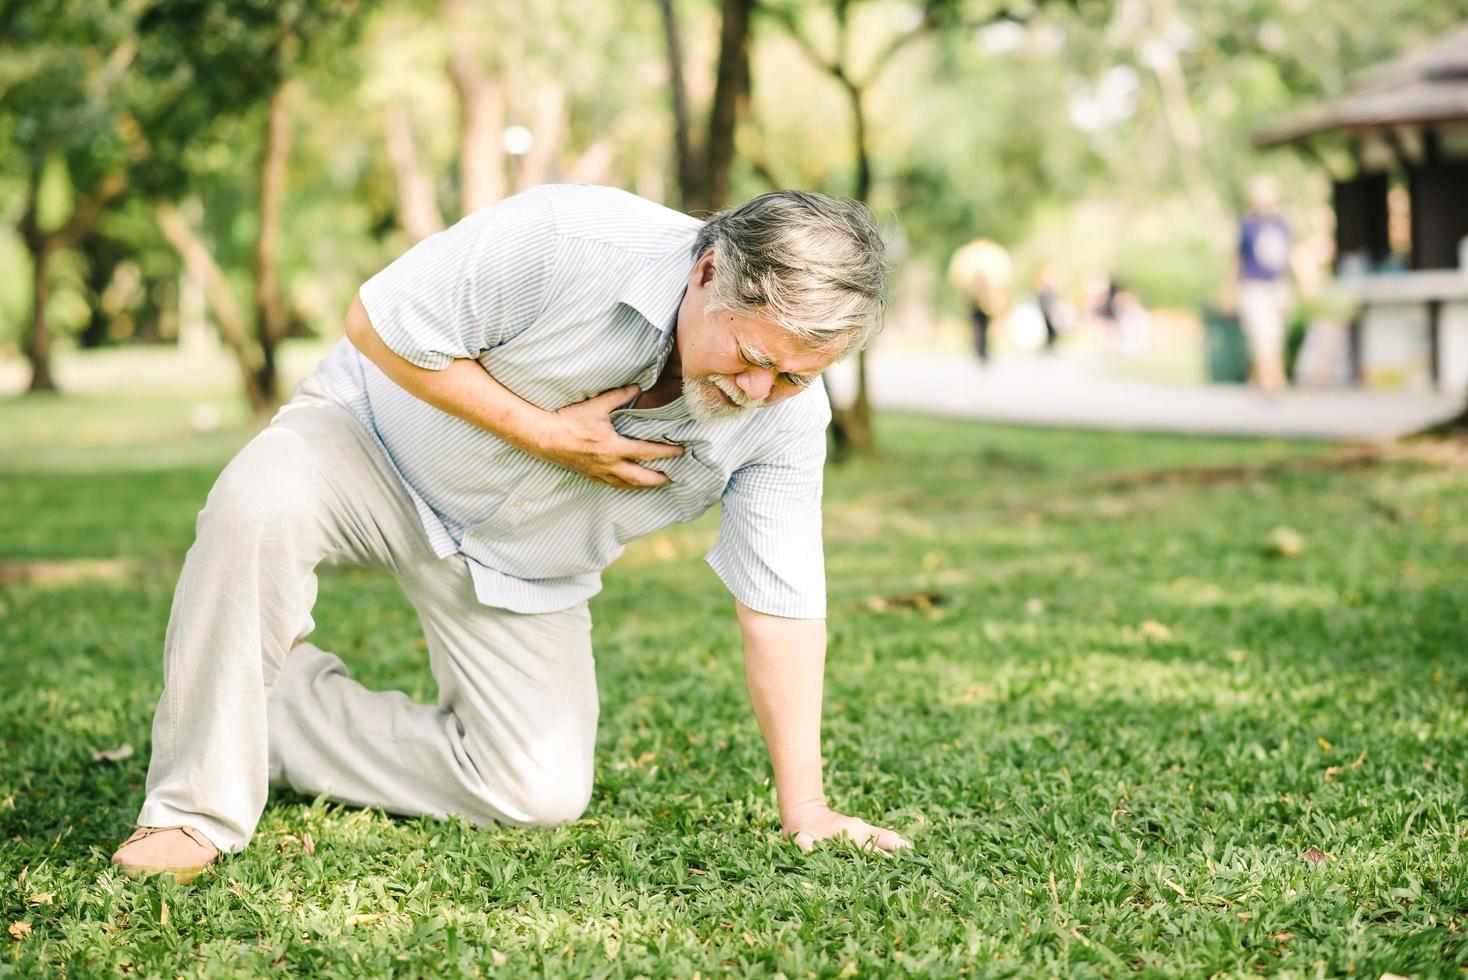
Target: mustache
x=734, y=394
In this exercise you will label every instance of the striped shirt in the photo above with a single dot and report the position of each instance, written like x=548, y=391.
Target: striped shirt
x=561, y=293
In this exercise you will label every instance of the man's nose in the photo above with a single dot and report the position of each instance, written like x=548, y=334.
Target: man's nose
x=756, y=384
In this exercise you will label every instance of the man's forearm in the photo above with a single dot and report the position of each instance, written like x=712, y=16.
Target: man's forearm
x=463, y=389
x=784, y=665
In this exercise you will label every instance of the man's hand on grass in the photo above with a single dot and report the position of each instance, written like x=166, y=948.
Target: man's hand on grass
x=822, y=823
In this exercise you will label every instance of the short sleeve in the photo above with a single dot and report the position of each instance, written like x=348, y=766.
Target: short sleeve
x=769, y=551
x=468, y=288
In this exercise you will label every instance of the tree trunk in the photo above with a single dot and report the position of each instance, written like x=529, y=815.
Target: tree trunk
x=271, y=315
x=730, y=90
x=481, y=119
x=42, y=245
x=549, y=129
x=688, y=178
x=417, y=204
x=227, y=315
x=38, y=336
x=856, y=421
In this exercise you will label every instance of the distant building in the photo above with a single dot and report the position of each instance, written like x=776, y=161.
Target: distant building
x=1403, y=125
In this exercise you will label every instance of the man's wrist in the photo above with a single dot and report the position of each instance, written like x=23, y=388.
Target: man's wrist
x=793, y=815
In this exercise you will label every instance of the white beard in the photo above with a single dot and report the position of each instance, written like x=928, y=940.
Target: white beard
x=705, y=405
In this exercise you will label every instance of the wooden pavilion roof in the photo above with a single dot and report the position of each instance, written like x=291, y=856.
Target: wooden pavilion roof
x=1426, y=86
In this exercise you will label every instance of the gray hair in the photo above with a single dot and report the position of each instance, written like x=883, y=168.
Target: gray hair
x=813, y=264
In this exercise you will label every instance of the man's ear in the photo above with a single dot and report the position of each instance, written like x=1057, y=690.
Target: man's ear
x=705, y=268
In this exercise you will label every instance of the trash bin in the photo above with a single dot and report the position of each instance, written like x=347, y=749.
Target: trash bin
x=1227, y=354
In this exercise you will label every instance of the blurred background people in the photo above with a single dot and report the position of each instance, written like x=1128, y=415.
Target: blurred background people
x=1052, y=307
x=982, y=272
x=1263, y=283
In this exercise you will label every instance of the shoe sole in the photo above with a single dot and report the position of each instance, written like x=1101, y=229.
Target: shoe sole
x=182, y=876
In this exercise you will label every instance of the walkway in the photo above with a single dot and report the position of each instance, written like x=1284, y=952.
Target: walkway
x=1061, y=391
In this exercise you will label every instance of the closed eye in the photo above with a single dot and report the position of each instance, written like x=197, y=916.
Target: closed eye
x=800, y=380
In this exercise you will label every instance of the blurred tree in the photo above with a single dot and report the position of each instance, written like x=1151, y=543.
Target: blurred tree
x=515, y=97
x=64, y=126
x=704, y=166
x=856, y=73
x=205, y=66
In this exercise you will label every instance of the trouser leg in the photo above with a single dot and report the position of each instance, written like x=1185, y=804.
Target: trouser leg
x=310, y=488
x=980, y=321
x=510, y=740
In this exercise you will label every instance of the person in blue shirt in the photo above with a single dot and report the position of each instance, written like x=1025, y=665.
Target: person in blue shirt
x=1263, y=283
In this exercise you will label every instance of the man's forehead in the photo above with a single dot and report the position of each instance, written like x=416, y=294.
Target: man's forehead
x=780, y=346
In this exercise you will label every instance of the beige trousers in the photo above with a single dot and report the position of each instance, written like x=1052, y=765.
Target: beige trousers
x=246, y=703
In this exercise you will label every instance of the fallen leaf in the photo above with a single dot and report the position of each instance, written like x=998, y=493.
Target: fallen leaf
x=1154, y=630
x=1175, y=887
x=1331, y=772
x=911, y=600
x=44, y=898
x=123, y=751
x=307, y=844
x=1324, y=745
x=1284, y=542
x=1393, y=976
x=366, y=918
x=1245, y=916
x=1283, y=937
x=1359, y=759
x=19, y=930
x=1314, y=856
x=163, y=915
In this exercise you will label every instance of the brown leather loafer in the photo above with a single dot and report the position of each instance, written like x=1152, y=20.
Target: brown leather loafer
x=179, y=851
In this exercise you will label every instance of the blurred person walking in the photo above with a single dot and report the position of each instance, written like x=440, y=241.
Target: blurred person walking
x=982, y=272
x=1052, y=307
x=1262, y=273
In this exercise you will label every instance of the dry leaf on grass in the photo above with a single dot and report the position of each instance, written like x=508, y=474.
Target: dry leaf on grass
x=44, y=898
x=307, y=844
x=20, y=930
x=366, y=918
x=910, y=600
x=1331, y=772
x=123, y=751
x=1314, y=856
x=1284, y=542
x=1154, y=630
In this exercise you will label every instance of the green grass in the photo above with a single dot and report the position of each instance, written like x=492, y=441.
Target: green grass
x=1111, y=739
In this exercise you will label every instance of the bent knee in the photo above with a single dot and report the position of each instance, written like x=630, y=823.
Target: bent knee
x=273, y=480
x=547, y=803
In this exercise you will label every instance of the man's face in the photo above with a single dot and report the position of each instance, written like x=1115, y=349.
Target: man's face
x=732, y=363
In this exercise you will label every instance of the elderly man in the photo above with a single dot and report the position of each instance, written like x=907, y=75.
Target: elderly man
x=516, y=399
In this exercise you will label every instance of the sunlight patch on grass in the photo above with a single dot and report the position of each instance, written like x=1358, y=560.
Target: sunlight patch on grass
x=1272, y=595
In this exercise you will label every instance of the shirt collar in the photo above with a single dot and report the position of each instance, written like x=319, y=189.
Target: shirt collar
x=657, y=289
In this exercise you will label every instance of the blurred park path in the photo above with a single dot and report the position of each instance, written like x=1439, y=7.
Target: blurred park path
x=1074, y=389
x=1077, y=392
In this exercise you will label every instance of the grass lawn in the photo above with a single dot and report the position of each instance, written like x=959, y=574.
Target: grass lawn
x=1123, y=736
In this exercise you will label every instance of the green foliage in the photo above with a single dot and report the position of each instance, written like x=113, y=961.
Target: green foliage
x=1112, y=739
x=1179, y=271
x=207, y=62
